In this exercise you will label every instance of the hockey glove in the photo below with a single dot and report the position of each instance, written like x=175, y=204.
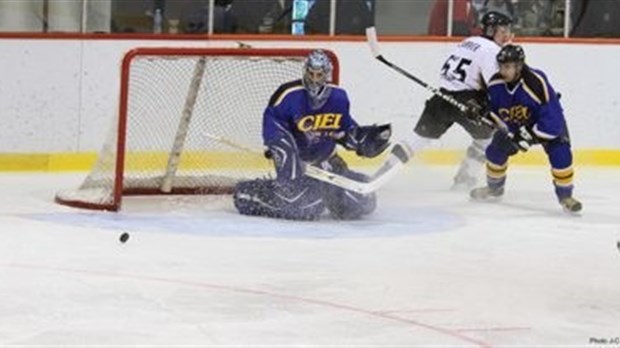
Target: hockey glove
x=475, y=112
x=523, y=139
x=368, y=141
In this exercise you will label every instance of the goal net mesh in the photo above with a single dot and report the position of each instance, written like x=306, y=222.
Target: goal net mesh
x=183, y=115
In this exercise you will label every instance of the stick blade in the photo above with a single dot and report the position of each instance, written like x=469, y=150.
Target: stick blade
x=371, y=37
x=339, y=180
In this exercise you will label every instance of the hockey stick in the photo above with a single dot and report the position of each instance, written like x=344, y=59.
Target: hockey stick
x=371, y=37
x=315, y=172
x=401, y=153
x=232, y=144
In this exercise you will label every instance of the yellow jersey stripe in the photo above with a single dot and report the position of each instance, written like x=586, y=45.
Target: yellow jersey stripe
x=563, y=170
x=531, y=93
x=497, y=167
x=563, y=177
x=496, y=172
x=495, y=82
x=285, y=93
x=496, y=175
x=544, y=84
x=563, y=182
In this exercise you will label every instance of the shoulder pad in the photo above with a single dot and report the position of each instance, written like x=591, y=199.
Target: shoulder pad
x=496, y=80
x=283, y=90
x=536, y=86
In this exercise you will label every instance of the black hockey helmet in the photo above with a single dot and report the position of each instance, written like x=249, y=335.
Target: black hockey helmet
x=493, y=19
x=511, y=53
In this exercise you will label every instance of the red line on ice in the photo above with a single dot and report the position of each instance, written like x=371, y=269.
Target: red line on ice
x=415, y=323
x=422, y=310
x=494, y=329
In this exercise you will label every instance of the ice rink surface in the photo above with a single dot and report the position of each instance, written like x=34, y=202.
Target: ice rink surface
x=429, y=267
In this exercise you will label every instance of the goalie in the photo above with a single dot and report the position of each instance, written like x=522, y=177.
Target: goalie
x=302, y=124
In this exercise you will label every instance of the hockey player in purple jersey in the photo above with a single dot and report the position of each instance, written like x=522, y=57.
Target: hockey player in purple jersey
x=302, y=124
x=526, y=103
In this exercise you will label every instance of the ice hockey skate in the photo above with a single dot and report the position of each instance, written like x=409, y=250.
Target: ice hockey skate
x=487, y=194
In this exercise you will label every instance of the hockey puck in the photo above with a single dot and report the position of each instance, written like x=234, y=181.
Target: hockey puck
x=124, y=237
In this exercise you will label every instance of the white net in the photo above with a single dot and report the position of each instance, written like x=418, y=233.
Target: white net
x=227, y=94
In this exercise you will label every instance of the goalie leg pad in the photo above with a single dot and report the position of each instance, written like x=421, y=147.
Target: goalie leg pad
x=295, y=200
x=347, y=205
x=285, y=155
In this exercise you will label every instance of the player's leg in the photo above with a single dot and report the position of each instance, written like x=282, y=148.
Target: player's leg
x=471, y=166
x=497, y=154
x=433, y=123
x=561, y=159
x=295, y=200
x=344, y=204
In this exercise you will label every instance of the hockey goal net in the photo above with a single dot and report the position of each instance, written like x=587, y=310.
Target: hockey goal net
x=181, y=111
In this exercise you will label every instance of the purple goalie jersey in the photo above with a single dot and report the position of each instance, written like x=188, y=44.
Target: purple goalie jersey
x=290, y=113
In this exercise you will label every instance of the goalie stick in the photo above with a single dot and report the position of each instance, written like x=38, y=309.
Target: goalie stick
x=315, y=172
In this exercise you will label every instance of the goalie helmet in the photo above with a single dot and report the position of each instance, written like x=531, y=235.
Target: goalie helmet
x=493, y=19
x=317, y=73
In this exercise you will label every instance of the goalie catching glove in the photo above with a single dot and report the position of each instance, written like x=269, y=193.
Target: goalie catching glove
x=367, y=141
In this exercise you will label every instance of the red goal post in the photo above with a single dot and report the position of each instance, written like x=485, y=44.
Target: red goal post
x=171, y=99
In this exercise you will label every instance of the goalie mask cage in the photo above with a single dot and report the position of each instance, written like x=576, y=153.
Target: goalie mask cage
x=174, y=103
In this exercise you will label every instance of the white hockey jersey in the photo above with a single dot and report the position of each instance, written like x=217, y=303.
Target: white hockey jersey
x=470, y=65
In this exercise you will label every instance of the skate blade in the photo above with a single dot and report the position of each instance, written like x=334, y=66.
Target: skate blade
x=489, y=199
x=574, y=210
x=462, y=187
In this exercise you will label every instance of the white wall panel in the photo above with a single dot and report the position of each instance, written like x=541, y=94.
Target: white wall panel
x=587, y=76
x=61, y=95
x=39, y=95
x=100, y=86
